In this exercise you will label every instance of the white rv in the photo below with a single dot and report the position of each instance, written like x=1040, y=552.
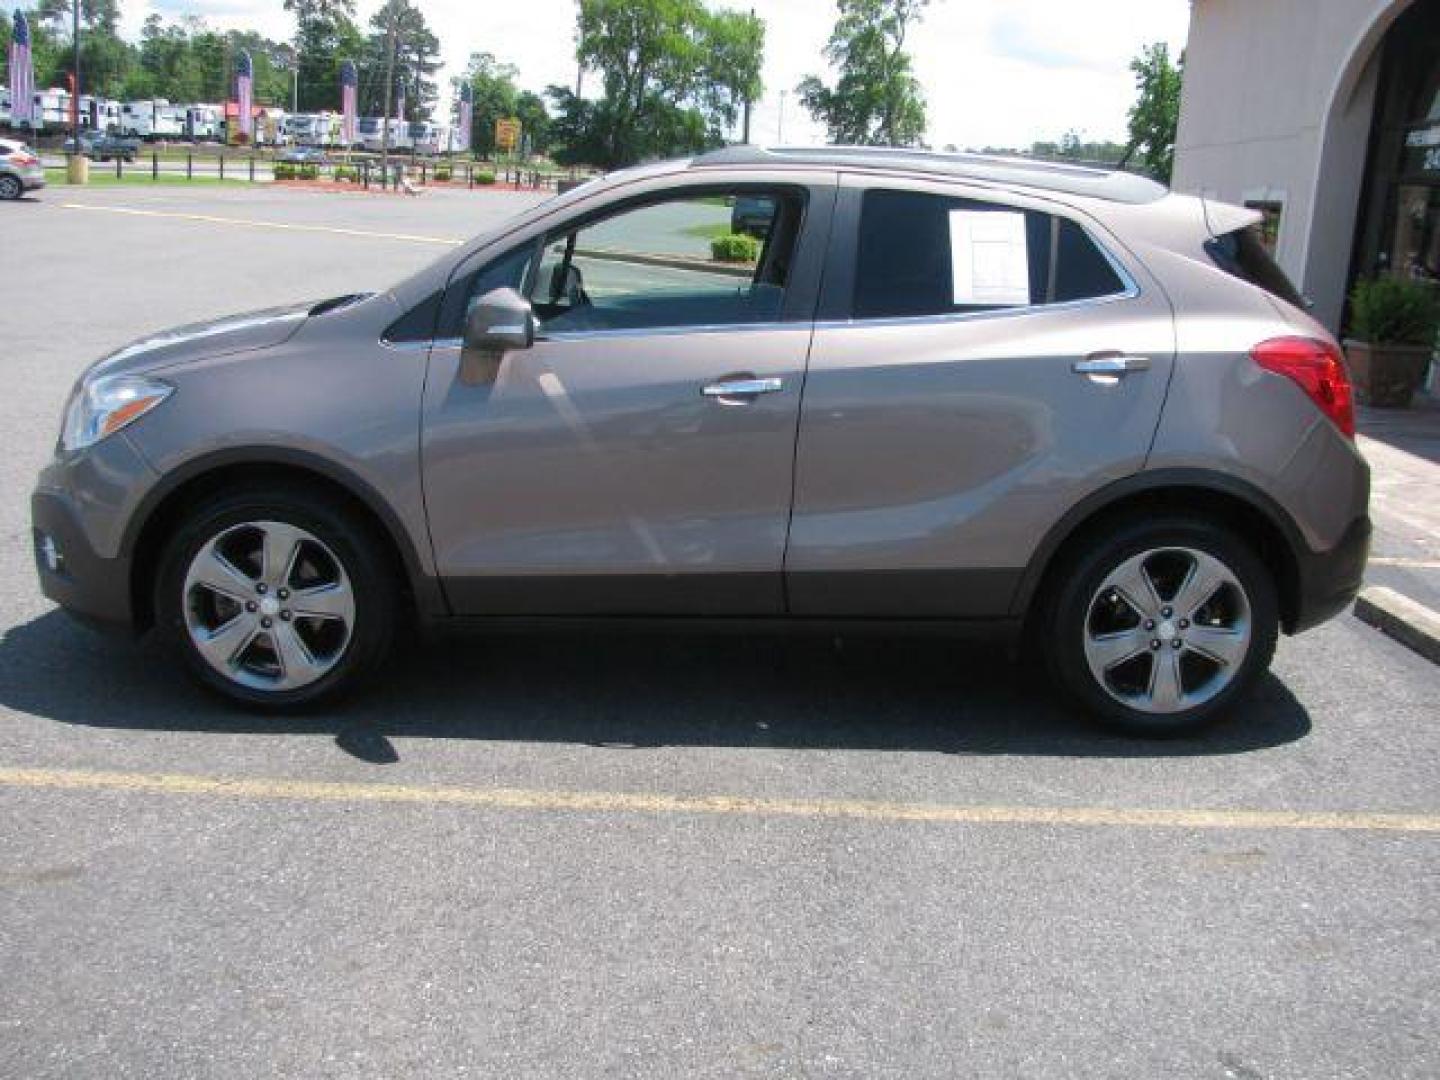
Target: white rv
x=202, y=122
x=427, y=137
x=152, y=119
x=369, y=129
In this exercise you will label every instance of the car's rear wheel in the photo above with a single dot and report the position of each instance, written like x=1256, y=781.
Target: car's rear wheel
x=1160, y=626
x=278, y=599
x=10, y=187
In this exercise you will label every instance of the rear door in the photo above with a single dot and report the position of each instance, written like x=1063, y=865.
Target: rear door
x=982, y=362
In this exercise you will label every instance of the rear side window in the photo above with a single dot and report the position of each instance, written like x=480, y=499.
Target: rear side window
x=1243, y=254
x=921, y=254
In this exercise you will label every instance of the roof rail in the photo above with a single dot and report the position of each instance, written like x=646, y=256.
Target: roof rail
x=1112, y=185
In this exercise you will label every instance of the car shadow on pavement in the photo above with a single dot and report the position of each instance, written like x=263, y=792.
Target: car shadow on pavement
x=629, y=690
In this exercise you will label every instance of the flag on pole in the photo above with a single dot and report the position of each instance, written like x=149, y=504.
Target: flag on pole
x=244, y=82
x=466, y=117
x=22, y=74
x=349, y=81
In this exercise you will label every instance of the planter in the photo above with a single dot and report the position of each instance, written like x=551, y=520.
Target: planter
x=1386, y=375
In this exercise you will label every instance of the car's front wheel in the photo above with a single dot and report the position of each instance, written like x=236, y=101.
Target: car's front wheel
x=1160, y=626
x=277, y=599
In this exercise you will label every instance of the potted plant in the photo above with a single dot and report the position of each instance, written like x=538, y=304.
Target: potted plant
x=1393, y=324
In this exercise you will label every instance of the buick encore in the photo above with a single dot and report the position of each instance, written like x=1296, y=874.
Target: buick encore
x=1061, y=404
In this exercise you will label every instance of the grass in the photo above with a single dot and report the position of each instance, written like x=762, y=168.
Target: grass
x=708, y=231
x=104, y=175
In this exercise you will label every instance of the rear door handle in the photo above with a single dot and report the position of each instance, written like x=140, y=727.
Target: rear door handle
x=1110, y=364
x=728, y=388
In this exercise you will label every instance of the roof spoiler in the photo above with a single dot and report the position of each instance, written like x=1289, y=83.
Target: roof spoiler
x=1222, y=217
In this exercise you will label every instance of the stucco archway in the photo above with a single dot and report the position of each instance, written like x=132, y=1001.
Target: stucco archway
x=1340, y=165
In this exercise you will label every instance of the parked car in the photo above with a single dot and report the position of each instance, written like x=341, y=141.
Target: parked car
x=102, y=147
x=20, y=169
x=1042, y=401
x=751, y=215
x=303, y=155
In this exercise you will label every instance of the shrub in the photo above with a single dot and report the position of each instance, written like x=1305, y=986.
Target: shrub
x=347, y=173
x=484, y=177
x=1393, y=311
x=442, y=174
x=309, y=172
x=284, y=170
x=735, y=248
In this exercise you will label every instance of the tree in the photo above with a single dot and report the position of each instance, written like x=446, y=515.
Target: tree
x=417, y=58
x=675, y=75
x=1156, y=113
x=325, y=36
x=876, y=101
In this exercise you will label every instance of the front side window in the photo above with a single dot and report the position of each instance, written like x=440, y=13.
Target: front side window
x=713, y=259
x=921, y=254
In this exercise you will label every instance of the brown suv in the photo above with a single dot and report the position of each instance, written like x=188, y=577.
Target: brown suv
x=954, y=390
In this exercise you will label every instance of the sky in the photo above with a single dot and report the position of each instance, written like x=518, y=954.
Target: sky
x=1002, y=73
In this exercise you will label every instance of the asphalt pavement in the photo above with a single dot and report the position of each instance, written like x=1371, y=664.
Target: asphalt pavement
x=642, y=856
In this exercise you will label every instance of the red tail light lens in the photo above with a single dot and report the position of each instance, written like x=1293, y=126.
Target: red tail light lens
x=1319, y=369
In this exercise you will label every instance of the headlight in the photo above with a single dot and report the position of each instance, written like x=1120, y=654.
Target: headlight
x=102, y=406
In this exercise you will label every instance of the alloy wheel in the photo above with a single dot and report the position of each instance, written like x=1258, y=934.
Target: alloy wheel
x=268, y=605
x=1167, y=630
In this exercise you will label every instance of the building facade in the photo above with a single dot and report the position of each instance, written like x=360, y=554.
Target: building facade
x=1325, y=116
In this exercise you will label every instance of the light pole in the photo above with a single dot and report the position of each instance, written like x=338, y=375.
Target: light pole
x=389, y=82
x=75, y=90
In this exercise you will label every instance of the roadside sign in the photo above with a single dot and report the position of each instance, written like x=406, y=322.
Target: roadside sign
x=507, y=135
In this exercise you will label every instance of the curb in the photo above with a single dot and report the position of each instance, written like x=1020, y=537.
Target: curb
x=1407, y=621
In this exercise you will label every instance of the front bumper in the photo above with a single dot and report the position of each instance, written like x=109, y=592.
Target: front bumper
x=1329, y=580
x=89, y=586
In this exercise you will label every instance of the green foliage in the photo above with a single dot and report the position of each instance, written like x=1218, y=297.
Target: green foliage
x=290, y=170
x=486, y=178
x=346, y=174
x=442, y=174
x=417, y=59
x=325, y=36
x=735, y=248
x=496, y=97
x=675, y=75
x=1394, y=311
x=1156, y=113
x=877, y=100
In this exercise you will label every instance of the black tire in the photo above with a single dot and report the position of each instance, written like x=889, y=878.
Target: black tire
x=10, y=187
x=362, y=554
x=1094, y=556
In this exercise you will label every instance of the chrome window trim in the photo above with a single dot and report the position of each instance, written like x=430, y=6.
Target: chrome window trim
x=645, y=332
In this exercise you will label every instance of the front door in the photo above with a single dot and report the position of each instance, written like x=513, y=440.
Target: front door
x=638, y=458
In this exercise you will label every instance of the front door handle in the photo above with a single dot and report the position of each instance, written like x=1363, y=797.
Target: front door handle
x=1110, y=365
x=739, y=388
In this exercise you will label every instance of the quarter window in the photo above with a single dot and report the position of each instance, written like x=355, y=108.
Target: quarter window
x=922, y=254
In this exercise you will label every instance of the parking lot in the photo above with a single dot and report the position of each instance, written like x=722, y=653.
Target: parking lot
x=677, y=856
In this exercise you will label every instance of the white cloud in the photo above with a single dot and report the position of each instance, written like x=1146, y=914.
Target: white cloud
x=995, y=72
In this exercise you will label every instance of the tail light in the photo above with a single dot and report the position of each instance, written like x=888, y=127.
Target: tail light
x=1317, y=368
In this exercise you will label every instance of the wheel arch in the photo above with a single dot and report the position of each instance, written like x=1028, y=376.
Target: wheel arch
x=1239, y=505
x=165, y=505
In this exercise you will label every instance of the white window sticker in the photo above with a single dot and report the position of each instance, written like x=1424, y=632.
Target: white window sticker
x=989, y=259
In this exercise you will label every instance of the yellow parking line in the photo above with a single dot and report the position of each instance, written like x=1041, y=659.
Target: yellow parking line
x=639, y=803
x=213, y=219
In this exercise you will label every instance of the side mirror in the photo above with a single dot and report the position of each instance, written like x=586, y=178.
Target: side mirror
x=500, y=321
